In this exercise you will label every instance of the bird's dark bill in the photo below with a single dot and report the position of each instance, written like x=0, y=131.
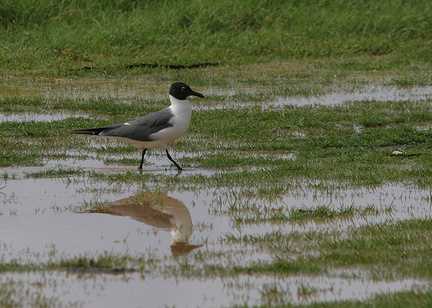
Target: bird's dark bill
x=197, y=94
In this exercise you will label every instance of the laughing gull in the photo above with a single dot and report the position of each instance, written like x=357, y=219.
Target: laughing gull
x=157, y=129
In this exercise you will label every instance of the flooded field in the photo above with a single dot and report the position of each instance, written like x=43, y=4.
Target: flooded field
x=77, y=231
x=47, y=220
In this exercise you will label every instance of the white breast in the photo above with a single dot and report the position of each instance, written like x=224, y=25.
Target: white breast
x=182, y=111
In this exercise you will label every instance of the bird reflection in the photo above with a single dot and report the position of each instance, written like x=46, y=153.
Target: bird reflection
x=160, y=211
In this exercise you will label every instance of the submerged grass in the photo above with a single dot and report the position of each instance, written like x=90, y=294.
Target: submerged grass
x=250, y=147
x=255, y=151
x=55, y=172
x=338, y=142
x=388, y=251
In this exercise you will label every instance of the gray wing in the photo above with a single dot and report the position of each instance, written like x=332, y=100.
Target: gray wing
x=140, y=129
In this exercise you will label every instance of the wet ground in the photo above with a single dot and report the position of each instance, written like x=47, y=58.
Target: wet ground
x=45, y=220
x=91, y=290
x=379, y=86
x=136, y=219
x=50, y=219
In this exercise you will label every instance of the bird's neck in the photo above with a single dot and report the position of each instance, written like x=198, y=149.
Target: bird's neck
x=180, y=106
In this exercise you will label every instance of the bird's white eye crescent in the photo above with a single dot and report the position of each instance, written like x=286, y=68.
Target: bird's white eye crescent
x=183, y=88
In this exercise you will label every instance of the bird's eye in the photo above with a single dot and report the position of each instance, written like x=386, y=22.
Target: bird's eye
x=183, y=88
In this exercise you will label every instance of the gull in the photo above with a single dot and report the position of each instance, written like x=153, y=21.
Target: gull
x=157, y=129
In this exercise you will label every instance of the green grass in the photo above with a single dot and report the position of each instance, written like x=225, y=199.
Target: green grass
x=61, y=37
x=389, y=251
x=243, y=213
x=275, y=150
x=298, y=140
x=104, y=263
x=271, y=146
x=268, y=51
x=55, y=172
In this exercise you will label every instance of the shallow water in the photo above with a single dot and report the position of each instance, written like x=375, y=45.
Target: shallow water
x=39, y=214
x=371, y=92
x=47, y=220
x=135, y=290
x=142, y=88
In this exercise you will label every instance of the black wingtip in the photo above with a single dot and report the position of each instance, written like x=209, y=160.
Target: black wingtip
x=86, y=131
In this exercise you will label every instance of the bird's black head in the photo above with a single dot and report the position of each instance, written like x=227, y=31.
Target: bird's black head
x=181, y=91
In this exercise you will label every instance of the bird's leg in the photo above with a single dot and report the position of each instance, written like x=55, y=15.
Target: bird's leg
x=142, y=159
x=173, y=161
